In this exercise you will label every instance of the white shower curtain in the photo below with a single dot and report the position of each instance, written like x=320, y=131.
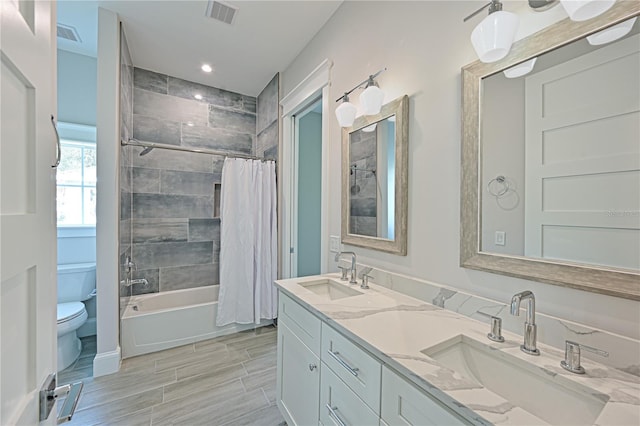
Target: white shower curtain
x=248, y=242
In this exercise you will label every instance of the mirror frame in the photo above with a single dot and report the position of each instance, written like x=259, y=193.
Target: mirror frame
x=603, y=280
x=400, y=108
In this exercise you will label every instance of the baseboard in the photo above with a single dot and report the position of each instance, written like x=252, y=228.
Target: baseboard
x=106, y=363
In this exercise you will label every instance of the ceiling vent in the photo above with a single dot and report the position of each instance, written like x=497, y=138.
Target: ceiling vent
x=220, y=11
x=68, y=32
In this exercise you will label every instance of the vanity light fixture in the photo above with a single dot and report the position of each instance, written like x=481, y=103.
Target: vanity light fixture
x=206, y=68
x=612, y=33
x=520, y=69
x=582, y=10
x=492, y=38
x=371, y=100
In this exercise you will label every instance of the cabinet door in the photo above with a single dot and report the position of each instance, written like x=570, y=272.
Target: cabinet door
x=298, y=380
x=404, y=404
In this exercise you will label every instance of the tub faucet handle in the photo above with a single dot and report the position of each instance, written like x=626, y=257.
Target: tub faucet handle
x=130, y=265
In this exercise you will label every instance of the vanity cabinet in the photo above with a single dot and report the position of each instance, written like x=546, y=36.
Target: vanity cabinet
x=324, y=378
x=298, y=363
x=404, y=404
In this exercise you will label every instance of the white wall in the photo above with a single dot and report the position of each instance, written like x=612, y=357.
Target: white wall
x=108, y=205
x=76, y=88
x=424, y=45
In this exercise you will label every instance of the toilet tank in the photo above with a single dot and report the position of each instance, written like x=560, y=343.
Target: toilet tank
x=76, y=282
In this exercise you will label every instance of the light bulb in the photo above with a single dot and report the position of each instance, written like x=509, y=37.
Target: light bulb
x=371, y=100
x=492, y=38
x=521, y=69
x=346, y=113
x=612, y=33
x=582, y=10
x=370, y=128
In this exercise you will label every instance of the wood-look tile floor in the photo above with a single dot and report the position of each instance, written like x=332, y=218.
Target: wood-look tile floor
x=230, y=380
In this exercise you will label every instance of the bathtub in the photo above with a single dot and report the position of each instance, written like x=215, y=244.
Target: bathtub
x=157, y=321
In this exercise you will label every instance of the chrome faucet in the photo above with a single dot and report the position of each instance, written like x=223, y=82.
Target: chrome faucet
x=352, y=278
x=529, y=346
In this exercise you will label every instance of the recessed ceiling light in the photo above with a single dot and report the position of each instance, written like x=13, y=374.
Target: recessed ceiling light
x=190, y=123
x=198, y=96
x=206, y=68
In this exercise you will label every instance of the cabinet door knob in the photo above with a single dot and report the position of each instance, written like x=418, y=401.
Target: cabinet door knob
x=312, y=367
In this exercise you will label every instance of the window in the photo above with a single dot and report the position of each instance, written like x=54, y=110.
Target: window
x=76, y=183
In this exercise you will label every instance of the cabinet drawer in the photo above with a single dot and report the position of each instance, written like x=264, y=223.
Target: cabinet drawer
x=359, y=370
x=404, y=404
x=300, y=321
x=346, y=407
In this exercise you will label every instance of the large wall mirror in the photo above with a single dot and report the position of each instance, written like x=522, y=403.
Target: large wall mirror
x=551, y=159
x=375, y=179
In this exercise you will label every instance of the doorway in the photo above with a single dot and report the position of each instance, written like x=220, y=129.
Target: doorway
x=308, y=190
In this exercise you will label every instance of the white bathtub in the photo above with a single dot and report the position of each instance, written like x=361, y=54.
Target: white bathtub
x=157, y=321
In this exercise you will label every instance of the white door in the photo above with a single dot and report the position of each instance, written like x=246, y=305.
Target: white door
x=583, y=158
x=27, y=208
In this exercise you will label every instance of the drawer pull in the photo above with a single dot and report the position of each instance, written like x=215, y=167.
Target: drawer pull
x=334, y=415
x=335, y=355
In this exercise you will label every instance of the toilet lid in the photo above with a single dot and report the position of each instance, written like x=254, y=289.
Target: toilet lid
x=69, y=311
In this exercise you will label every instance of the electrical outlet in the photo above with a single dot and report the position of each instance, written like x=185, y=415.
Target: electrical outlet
x=334, y=244
x=500, y=238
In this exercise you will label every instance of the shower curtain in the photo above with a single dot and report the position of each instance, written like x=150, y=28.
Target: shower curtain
x=248, y=242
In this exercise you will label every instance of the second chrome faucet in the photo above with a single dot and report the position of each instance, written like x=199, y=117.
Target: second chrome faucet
x=529, y=346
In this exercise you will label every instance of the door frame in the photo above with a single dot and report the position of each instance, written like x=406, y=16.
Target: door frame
x=315, y=85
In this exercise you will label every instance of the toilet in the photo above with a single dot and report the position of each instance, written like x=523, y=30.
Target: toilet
x=76, y=283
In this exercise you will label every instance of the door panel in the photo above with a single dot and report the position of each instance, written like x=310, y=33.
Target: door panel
x=27, y=208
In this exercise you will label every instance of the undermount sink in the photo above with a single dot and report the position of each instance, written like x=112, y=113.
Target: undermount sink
x=329, y=289
x=550, y=397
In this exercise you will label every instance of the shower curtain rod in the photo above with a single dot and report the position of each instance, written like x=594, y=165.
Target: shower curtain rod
x=135, y=142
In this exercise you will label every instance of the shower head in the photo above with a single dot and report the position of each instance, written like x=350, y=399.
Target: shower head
x=146, y=151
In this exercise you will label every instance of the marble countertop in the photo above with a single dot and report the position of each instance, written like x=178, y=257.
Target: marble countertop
x=395, y=328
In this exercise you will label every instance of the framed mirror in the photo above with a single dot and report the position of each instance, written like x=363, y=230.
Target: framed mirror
x=375, y=179
x=550, y=185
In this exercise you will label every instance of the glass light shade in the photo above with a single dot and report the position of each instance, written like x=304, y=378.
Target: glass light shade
x=370, y=128
x=612, y=33
x=521, y=69
x=492, y=38
x=346, y=114
x=371, y=100
x=582, y=10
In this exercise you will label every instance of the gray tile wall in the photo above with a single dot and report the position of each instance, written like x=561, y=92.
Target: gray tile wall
x=363, y=184
x=126, y=131
x=267, y=129
x=175, y=236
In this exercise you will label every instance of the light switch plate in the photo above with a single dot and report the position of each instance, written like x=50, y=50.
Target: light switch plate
x=334, y=244
x=500, y=238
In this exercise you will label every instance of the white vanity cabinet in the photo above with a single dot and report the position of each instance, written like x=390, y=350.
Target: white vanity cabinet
x=298, y=364
x=324, y=378
x=404, y=404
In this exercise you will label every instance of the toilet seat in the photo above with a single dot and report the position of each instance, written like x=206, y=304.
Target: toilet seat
x=69, y=311
x=70, y=316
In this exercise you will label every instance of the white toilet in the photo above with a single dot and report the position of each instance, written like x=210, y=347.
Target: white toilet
x=76, y=283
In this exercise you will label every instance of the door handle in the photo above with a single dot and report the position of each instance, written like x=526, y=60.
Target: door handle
x=58, y=147
x=50, y=393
